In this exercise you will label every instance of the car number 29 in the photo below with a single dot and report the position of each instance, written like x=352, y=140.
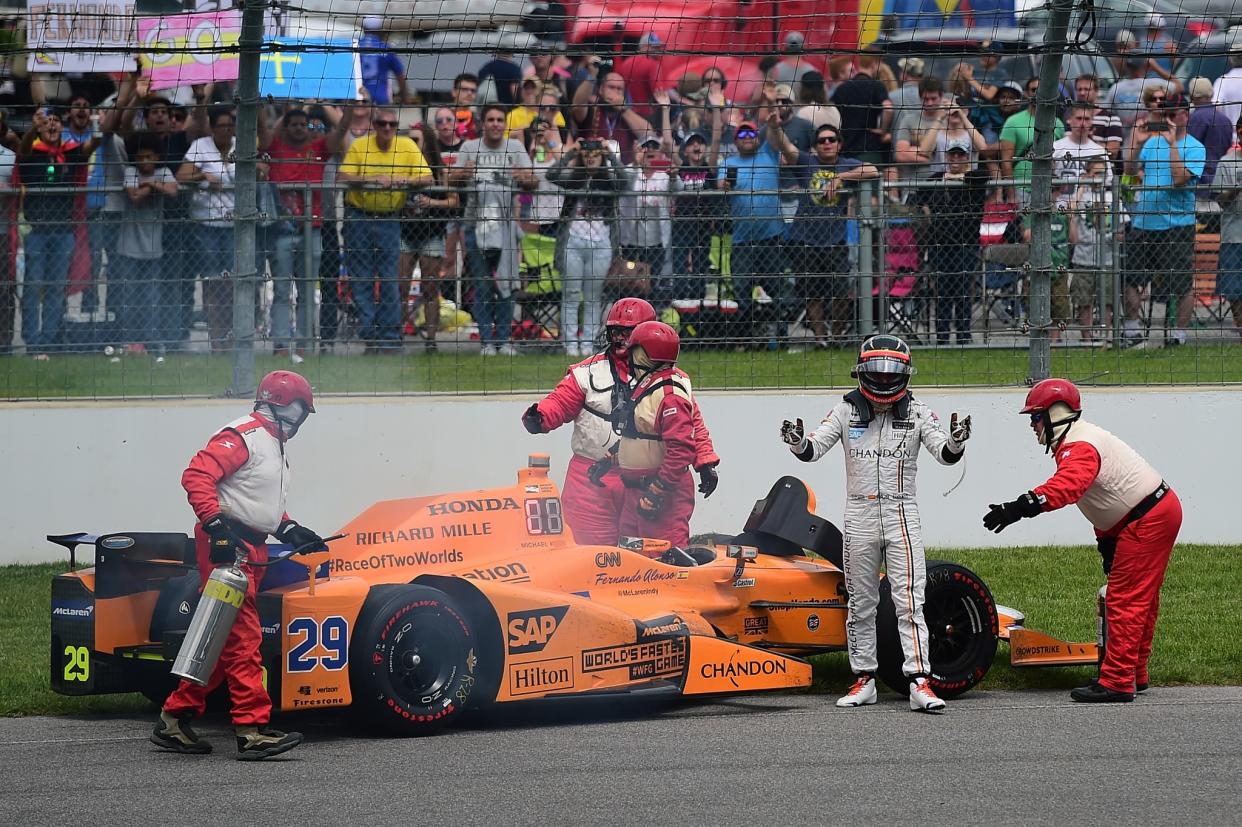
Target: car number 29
x=331, y=635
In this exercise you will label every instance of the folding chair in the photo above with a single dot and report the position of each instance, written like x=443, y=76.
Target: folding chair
x=907, y=310
x=539, y=298
x=1002, y=283
x=1207, y=263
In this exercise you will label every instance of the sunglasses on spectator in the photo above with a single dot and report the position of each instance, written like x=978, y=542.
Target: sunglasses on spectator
x=178, y=116
x=317, y=127
x=392, y=124
x=826, y=139
x=747, y=133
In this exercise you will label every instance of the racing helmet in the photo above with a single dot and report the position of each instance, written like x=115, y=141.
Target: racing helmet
x=625, y=315
x=884, y=369
x=1057, y=404
x=653, y=344
x=287, y=395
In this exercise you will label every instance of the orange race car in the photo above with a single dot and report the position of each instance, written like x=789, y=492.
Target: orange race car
x=432, y=605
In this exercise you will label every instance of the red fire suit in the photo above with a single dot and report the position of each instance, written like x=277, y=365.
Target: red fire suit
x=243, y=474
x=586, y=397
x=1127, y=502
x=660, y=441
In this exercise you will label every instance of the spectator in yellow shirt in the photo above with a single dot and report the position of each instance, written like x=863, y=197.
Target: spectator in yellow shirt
x=537, y=102
x=380, y=169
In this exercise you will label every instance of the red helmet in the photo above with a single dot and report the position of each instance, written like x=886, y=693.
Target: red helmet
x=284, y=387
x=1045, y=393
x=658, y=341
x=630, y=312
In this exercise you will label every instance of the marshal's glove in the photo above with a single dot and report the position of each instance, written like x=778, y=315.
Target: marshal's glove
x=300, y=537
x=1107, y=547
x=794, y=435
x=224, y=540
x=959, y=432
x=999, y=517
x=708, y=480
x=652, y=501
x=599, y=469
x=533, y=420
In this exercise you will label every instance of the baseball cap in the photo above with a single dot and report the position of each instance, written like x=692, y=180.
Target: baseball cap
x=651, y=39
x=784, y=91
x=794, y=41
x=958, y=145
x=992, y=46
x=695, y=135
x=751, y=125
x=1155, y=21
x=1125, y=38
x=911, y=65
x=1199, y=87
x=1175, y=100
x=372, y=23
x=1013, y=86
x=650, y=141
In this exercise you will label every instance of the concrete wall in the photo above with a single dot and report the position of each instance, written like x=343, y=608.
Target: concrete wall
x=103, y=467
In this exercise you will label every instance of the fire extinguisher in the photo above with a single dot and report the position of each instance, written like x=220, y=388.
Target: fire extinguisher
x=217, y=610
x=1101, y=622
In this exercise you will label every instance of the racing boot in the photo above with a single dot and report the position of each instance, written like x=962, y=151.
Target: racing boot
x=923, y=698
x=176, y=734
x=256, y=743
x=1094, y=693
x=861, y=693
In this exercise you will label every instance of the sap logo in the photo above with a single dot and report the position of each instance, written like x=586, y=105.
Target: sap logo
x=608, y=559
x=464, y=506
x=530, y=631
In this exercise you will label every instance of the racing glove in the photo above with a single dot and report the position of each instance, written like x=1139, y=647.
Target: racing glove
x=599, y=469
x=794, y=435
x=708, y=480
x=959, y=432
x=533, y=420
x=1107, y=547
x=999, y=517
x=652, y=501
x=300, y=537
x=224, y=540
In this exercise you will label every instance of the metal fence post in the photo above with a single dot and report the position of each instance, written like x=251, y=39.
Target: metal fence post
x=245, y=193
x=866, y=261
x=305, y=286
x=1114, y=282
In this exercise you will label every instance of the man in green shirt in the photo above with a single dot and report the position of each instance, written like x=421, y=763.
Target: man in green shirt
x=1017, y=139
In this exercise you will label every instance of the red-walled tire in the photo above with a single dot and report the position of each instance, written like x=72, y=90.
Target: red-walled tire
x=413, y=660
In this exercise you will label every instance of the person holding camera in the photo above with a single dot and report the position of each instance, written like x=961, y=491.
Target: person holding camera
x=601, y=109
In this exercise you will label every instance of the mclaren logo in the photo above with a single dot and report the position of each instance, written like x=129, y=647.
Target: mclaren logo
x=73, y=611
x=530, y=631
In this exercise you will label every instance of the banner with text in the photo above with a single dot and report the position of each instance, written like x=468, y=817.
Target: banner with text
x=309, y=68
x=80, y=36
x=185, y=49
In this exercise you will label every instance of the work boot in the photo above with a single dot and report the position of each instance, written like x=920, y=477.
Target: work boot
x=923, y=698
x=861, y=693
x=1094, y=693
x=175, y=734
x=256, y=743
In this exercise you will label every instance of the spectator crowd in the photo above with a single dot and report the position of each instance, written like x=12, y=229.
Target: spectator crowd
x=542, y=189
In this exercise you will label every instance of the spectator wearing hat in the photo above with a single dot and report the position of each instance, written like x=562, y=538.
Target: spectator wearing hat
x=378, y=62
x=1159, y=48
x=1124, y=45
x=954, y=214
x=505, y=76
x=866, y=111
x=1160, y=245
x=695, y=214
x=1227, y=90
x=952, y=127
x=905, y=97
x=813, y=103
x=752, y=179
x=1210, y=126
x=1106, y=127
x=642, y=74
x=780, y=99
x=793, y=64
x=1017, y=140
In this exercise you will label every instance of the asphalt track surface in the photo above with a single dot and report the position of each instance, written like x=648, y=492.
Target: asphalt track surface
x=995, y=757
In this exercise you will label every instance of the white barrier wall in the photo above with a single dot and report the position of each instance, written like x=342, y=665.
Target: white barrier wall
x=104, y=467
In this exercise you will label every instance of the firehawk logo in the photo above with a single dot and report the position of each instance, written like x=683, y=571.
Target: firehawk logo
x=1065, y=454
x=227, y=443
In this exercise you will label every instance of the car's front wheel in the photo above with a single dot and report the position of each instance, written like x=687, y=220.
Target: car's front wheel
x=962, y=629
x=413, y=660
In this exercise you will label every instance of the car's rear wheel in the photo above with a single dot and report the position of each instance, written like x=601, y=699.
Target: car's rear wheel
x=961, y=628
x=413, y=660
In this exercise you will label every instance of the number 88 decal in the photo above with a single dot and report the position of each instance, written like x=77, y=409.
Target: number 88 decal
x=543, y=516
x=332, y=634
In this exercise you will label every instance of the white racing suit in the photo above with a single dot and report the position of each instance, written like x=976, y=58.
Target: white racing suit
x=881, y=517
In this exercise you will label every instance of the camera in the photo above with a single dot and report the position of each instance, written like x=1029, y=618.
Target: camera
x=605, y=66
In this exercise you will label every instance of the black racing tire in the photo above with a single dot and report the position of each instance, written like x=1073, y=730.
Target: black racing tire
x=413, y=660
x=962, y=629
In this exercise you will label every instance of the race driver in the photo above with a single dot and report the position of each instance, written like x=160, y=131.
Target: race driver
x=882, y=424
x=657, y=447
x=237, y=487
x=591, y=390
x=1136, y=516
